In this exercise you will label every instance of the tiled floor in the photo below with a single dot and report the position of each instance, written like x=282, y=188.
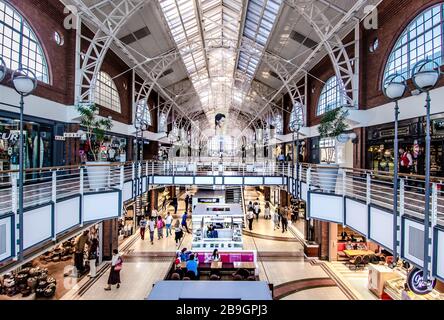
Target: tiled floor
x=328, y=293
x=356, y=281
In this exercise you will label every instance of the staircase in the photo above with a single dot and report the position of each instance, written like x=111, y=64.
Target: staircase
x=233, y=195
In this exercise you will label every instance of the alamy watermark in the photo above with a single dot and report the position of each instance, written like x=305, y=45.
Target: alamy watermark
x=70, y=21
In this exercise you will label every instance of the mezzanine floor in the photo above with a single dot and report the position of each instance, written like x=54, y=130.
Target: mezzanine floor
x=280, y=259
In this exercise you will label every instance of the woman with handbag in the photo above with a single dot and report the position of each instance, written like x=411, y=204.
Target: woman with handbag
x=116, y=267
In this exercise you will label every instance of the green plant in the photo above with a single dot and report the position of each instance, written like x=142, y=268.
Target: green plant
x=332, y=125
x=95, y=127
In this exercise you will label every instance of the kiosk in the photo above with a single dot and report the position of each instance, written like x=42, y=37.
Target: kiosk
x=217, y=226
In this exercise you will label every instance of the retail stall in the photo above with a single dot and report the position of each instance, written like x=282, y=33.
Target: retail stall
x=217, y=226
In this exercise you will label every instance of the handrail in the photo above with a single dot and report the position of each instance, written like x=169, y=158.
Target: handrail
x=385, y=174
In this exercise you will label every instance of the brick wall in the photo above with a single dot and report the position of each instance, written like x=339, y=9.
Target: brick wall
x=45, y=17
x=392, y=22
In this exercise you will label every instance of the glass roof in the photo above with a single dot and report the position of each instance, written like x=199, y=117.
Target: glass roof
x=212, y=72
x=261, y=15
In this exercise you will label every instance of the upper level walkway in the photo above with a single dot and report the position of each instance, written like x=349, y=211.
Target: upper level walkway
x=60, y=200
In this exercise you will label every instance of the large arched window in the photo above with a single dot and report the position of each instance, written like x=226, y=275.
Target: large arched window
x=143, y=115
x=331, y=97
x=19, y=46
x=296, y=117
x=106, y=93
x=420, y=40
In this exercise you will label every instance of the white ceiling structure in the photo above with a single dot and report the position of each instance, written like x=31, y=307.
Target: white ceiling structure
x=235, y=57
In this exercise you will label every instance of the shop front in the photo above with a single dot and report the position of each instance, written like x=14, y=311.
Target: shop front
x=51, y=275
x=40, y=147
x=411, y=133
x=115, y=147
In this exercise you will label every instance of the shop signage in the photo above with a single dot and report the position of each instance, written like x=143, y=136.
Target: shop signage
x=438, y=126
x=71, y=135
x=416, y=283
x=12, y=136
x=59, y=138
x=208, y=200
x=402, y=131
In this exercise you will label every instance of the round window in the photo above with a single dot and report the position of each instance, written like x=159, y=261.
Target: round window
x=58, y=38
x=374, y=46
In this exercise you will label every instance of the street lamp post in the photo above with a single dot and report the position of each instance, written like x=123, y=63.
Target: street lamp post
x=394, y=88
x=425, y=76
x=295, y=126
x=25, y=82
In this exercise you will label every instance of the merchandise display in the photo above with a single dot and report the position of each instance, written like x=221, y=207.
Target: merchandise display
x=27, y=281
x=217, y=226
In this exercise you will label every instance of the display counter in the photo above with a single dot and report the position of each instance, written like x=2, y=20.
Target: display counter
x=217, y=226
x=395, y=286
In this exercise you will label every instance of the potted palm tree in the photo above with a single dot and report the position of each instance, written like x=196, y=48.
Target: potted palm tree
x=98, y=168
x=333, y=124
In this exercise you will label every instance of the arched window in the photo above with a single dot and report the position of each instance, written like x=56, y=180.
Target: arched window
x=276, y=121
x=420, y=40
x=19, y=46
x=296, y=116
x=106, y=92
x=331, y=97
x=143, y=115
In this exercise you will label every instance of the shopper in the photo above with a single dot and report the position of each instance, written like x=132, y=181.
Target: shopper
x=192, y=264
x=184, y=221
x=92, y=257
x=168, y=222
x=257, y=208
x=152, y=226
x=250, y=206
x=160, y=225
x=114, y=274
x=187, y=199
x=154, y=213
x=267, y=214
x=79, y=250
x=276, y=219
x=215, y=256
x=405, y=161
x=175, y=204
x=178, y=233
x=284, y=219
x=250, y=218
x=142, y=226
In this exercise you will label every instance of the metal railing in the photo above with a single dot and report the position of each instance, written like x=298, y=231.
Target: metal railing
x=372, y=187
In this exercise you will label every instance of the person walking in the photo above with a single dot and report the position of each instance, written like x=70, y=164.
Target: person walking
x=184, y=221
x=152, y=226
x=187, y=202
x=250, y=218
x=79, y=250
x=257, y=208
x=178, y=233
x=154, y=213
x=92, y=257
x=168, y=222
x=174, y=203
x=116, y=267
x=276, y=219
x=142, y=225
x=250, y=206
x=267, y=214
x=160, y=225
x=285, y=217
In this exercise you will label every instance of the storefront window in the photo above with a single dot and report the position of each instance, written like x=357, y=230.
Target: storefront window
x=327, y=148
x=38, y=152
x=115, y=148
